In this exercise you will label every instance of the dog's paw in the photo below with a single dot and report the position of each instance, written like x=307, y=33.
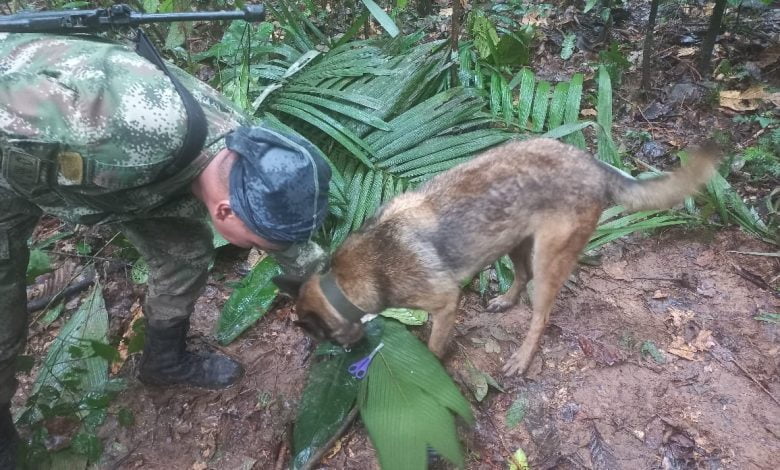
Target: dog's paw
x=499, y=304
x=517, y=364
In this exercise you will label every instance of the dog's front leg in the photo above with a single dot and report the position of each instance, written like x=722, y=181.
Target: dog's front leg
x=443, y=323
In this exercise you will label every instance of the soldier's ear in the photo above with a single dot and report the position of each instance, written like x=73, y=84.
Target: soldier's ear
x=288, y=285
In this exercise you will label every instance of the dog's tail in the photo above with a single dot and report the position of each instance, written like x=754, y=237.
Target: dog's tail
x=663, y=191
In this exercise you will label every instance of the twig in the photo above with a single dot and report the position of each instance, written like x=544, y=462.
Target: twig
x=748, y=375
x=283, y=450
x=324, y=449
x=755, y=253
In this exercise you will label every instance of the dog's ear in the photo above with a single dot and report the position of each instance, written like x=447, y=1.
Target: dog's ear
x=289, y=285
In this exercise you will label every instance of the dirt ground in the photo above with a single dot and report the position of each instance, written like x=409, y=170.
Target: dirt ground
x=593, y=400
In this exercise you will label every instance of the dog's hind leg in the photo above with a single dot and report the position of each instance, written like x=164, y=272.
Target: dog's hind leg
x=557, y=247
x=521, y=259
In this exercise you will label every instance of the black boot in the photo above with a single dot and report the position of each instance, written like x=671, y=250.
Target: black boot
x=9, y=440
x=166, y=361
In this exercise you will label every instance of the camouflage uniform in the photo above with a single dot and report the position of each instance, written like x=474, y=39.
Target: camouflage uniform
x=86, y=127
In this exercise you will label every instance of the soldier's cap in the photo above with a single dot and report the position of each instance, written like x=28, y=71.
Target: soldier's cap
x=278, y=184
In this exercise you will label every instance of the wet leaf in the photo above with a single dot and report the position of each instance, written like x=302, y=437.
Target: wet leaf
x=106, y=351
x=601, y=352
x=249, y=301
x=516, y=412
x=407, y=316
x=479, y=381
x=326, y=401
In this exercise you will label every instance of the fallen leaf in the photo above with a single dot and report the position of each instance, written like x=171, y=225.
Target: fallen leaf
x=601, y=352
x=686, y=51
x=680, y=317
x=703, y=341
x=600, y=454
x=769, y=56
x=589, y=112
x=749, y=99
x=659, y=294
x=199, y=466
x=492, y=346
x=516, y=412
x=518, y=461
x=137, y=313
x=478, y=381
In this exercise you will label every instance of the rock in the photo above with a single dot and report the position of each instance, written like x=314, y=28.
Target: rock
x=652, y=150
x=655, y=111
x=683, y=93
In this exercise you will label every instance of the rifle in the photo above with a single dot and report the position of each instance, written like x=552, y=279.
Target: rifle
x=116, y=16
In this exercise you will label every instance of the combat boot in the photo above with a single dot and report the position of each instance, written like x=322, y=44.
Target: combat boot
x=9, y=440
x=166, y=361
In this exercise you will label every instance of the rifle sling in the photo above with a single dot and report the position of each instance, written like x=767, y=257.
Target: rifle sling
x=197, y=127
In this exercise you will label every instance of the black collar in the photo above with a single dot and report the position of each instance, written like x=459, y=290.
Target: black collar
x=336, y=297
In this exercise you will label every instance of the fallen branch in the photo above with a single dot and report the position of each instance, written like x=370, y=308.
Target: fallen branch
x=748, y=375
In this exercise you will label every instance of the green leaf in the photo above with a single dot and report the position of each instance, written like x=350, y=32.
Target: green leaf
x=83, y=248
x=139, y=274
x=541, y=103
x=87, y=444
x=527, y=85
x=589, y=4
x=567, y=129
x=518, y=461
x=768, y=317
x=479, y=381
x=567, y=48
x=52, y=314
x=89, y=323
x=516, y=412
x=106, y=351
x=572, y=112
x=649, y=348
x=151, y=6
x=39, y=263
x=125, y=417
x=249, y=301
x=513, y=49
x=327, y=399
x=383, y=18
x=407, y=400
x=606, y=146
x=557, y=105
x=407, y=316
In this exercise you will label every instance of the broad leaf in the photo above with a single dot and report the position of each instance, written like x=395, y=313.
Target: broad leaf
x=249, y=301
x=39, y=263
x=383, y=18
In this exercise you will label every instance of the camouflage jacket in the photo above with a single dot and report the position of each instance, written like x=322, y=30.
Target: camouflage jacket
x=97, y=123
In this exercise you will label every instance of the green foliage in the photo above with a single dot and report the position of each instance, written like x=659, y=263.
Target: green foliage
x=73, y=383
x=139, y=273
x=516, y=412
x=615, y=62
x=407, y=316
x=39, y=263
x=567, y=48
x=249, y=301
x=649, y=349
x=406, y=401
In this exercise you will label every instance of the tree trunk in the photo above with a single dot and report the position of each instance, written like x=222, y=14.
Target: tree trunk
x=647, y=52
x=457, y=13
x=712, y=34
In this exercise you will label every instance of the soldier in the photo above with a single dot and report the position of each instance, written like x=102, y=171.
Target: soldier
x=91, y=132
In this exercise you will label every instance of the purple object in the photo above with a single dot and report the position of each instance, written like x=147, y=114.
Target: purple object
x=360, y=368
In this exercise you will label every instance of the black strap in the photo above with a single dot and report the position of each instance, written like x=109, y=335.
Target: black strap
x=197, y=127
x=334, y=295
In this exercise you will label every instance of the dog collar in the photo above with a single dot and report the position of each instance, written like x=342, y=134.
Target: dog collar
x=336, y=297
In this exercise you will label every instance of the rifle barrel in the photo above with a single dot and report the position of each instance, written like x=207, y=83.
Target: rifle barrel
x=250, y=13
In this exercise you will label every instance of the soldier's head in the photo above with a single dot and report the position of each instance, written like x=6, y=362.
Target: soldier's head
x=274, y=189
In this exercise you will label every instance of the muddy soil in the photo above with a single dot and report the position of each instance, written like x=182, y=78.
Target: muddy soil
x=592, y=398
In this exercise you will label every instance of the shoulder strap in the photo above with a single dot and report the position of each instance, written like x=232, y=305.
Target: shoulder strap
x=197, y=127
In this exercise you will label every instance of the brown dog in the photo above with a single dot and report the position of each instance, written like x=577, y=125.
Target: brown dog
x=536, y=200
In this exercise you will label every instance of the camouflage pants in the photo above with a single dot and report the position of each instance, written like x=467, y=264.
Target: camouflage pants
x=177, y=250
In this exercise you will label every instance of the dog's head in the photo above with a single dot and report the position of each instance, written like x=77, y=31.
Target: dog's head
x=317, y=315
